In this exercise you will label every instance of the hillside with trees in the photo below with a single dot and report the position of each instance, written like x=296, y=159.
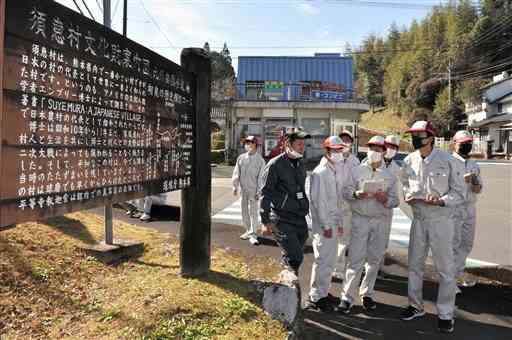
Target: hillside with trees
x=431, y=68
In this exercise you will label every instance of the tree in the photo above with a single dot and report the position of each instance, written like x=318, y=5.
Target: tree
x=206, y=47
x=348, y=50
x=225, y=53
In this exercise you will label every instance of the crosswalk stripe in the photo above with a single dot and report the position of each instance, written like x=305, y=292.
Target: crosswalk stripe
x=399, y=236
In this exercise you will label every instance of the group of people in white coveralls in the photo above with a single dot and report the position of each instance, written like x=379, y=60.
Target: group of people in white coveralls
x=351, y=206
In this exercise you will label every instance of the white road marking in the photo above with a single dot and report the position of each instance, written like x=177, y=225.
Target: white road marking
x=399, y=236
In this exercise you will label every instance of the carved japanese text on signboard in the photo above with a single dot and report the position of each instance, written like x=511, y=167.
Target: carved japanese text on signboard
x=87, y=115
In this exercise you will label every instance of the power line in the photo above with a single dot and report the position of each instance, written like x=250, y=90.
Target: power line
x=309, y=47
x=79, y=9
x=99, y=5
x=363, y=3
x=503, y=22
x=88, y=10
x=157, y=25
x=115, y=9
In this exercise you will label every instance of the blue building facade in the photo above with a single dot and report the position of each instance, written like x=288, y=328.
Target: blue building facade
x=274, y=94
x=322, y=77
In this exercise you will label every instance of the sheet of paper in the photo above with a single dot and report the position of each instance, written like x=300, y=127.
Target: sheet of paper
x=372, y=186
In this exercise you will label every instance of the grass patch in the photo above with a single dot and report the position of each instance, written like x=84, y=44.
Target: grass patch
x=50, y=289
x=385, y=121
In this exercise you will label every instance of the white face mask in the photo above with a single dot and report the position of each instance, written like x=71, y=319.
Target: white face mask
x=293, y=154
x=374, y=156
x=248, y=148
x=346, y=150
x=390, y=153
x=337, y=157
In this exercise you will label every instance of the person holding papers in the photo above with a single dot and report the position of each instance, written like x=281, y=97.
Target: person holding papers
x=371, y=192
x=465, y=212
x=434, y=187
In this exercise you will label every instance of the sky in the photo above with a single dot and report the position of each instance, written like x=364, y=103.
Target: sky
x=257, y=27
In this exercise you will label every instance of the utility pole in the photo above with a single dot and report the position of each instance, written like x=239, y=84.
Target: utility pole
x=125, y=17
x=450, y=83
x=109, y=232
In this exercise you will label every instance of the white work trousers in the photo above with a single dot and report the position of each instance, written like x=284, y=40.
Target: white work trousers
x=434, y=232
x=367, y=244
x=250, y=212
x=325, y=252
x=388, y=225
x=464, y=237
x=340, y=267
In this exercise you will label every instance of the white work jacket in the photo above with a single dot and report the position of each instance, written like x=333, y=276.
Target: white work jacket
x=248, y=172
x=470, y=167
x=370, y=206
x=437, y=175
x=323, y=197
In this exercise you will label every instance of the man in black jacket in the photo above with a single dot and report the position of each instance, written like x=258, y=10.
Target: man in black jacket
x=284, y=204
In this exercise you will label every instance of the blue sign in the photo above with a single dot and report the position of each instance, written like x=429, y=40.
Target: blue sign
x=328, y=95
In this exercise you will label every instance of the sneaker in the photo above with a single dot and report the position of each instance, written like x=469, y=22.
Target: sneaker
x=245, y=236
x=445, y=326
x=381, y=275
x=145, y=217
x=467, y=283
x=323, y=305
x=411, y=313
x=335, y=300
x=254, y=240
x=368, y=303
x=344, y=307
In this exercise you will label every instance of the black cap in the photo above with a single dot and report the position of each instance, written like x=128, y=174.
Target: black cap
x=298, y=134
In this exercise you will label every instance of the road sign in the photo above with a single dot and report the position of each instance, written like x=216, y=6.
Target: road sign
x=88, y=116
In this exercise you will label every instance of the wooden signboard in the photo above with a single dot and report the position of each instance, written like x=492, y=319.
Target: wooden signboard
x=88, y=117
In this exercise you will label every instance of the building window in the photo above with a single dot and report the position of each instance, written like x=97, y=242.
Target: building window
x=254, y=89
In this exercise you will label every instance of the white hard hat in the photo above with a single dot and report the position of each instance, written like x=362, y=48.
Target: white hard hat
x=376, y=140
x=252, y=139
x=393, y=140
x=346, y=133
x=334, y=142
x=463, y=136
x=422, y=126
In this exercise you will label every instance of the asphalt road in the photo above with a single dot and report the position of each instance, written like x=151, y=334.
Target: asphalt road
x=484, y=312
x=493, y=240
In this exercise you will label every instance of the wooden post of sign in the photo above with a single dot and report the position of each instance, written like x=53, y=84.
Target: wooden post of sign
x=195, y=227
x=2, y=35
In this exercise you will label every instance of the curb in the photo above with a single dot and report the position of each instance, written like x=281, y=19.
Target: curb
x=499, y=274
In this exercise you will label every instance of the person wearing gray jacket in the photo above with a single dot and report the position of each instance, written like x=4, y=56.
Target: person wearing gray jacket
x=284, y=204
x=434, y=187
x=247, y=176
x=326, y=225
x=372, y=194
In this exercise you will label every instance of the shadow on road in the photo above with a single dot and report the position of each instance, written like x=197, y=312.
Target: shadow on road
x=384, y=322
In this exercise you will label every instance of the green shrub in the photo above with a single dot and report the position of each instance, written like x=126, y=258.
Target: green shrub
x=217, y=156
x=218, y=140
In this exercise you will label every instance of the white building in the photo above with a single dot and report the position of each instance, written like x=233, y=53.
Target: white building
x=491, y=118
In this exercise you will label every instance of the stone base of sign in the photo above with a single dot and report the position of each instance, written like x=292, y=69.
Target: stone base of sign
x=113, y=253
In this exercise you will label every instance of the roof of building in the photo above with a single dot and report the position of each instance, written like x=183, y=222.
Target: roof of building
x=327, y=67
x=501, y=118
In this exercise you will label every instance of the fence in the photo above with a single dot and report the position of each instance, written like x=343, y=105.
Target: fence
x=479, y=146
